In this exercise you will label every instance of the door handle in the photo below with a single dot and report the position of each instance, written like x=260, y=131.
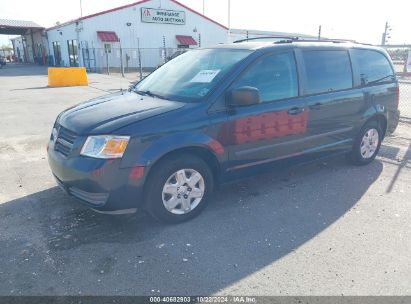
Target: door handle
x=295, y=111
x=316, y=106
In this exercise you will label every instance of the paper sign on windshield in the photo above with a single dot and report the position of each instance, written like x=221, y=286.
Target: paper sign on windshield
x=205, y=76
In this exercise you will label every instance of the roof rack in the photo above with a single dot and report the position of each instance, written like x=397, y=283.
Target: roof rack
x=289, y=39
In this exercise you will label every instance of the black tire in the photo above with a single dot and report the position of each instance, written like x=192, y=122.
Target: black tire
x=355, y=155
x=159, y=176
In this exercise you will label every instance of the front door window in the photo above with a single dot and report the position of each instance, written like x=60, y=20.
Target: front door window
x=275, y=76
x=273, y=128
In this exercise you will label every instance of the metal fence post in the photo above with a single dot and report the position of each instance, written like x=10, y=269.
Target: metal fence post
x=94, y=56
x=164, y=47
x=127, y=59
x=121, y=61
x=108, y=68
x=139, y=59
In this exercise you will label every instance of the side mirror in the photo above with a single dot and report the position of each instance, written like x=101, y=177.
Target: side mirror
x=244, y=96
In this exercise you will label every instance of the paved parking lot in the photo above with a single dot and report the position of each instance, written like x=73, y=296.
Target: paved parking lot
x=327, y=228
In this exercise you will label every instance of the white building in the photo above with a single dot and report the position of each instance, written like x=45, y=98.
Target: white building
x=151, y=30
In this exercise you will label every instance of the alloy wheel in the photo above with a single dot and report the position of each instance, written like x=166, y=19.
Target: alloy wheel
x=369, y=143
x=183, y=191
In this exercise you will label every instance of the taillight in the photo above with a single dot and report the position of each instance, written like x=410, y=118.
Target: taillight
x=398, y=96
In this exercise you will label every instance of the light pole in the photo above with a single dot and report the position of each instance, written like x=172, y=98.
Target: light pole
x=131, y=39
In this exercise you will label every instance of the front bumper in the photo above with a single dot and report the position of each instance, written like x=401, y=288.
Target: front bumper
x=98, y=183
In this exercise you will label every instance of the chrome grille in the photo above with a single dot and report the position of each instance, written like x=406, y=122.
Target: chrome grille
x=65, y=140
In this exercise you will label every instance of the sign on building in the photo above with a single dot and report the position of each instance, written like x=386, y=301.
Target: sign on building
x=153, y=15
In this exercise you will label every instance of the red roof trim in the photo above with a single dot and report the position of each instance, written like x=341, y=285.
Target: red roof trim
x=113, y=9
x=129, y=5
x=195, y=12
x=61, y=24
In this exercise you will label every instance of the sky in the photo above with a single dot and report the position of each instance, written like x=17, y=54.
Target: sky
x=361, y=20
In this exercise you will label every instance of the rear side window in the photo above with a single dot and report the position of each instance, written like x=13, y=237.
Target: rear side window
x=327, y=71
x=373, y=66
x=275, y=76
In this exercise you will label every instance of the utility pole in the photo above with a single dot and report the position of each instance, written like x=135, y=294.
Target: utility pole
x=229, y=14
x=386, y=34
x=228, y=19
x=319, y=32
x=203, y=7
x=81, y=9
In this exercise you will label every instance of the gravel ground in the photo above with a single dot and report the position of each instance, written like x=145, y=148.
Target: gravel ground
x=327, y=228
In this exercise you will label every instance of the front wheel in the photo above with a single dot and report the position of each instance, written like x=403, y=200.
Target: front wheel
x=367, y=144
x=179, y=188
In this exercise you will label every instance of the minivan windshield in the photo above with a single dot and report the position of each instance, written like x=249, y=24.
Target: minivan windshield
x=190, y=76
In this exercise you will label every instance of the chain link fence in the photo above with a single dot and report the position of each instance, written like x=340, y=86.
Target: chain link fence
x=399, y=56
x=124, y=61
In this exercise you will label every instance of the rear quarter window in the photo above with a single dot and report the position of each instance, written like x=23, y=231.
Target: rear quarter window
x=373, y=66
x=327, y=71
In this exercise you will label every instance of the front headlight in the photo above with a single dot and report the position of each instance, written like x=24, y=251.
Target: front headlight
x=105, y=146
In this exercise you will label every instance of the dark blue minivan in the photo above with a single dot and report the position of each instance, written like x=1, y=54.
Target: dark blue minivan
x=206, y=116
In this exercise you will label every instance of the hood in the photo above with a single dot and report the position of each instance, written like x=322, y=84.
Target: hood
x=106, y=114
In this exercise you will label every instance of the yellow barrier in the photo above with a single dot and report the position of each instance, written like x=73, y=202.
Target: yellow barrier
x=62, y=77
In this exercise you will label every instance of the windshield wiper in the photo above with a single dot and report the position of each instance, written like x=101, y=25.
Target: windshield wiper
x=148, y=93
x=381, y=79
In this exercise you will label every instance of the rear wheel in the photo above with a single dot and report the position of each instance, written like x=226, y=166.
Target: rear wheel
x=367, y=144
x=179, y=188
